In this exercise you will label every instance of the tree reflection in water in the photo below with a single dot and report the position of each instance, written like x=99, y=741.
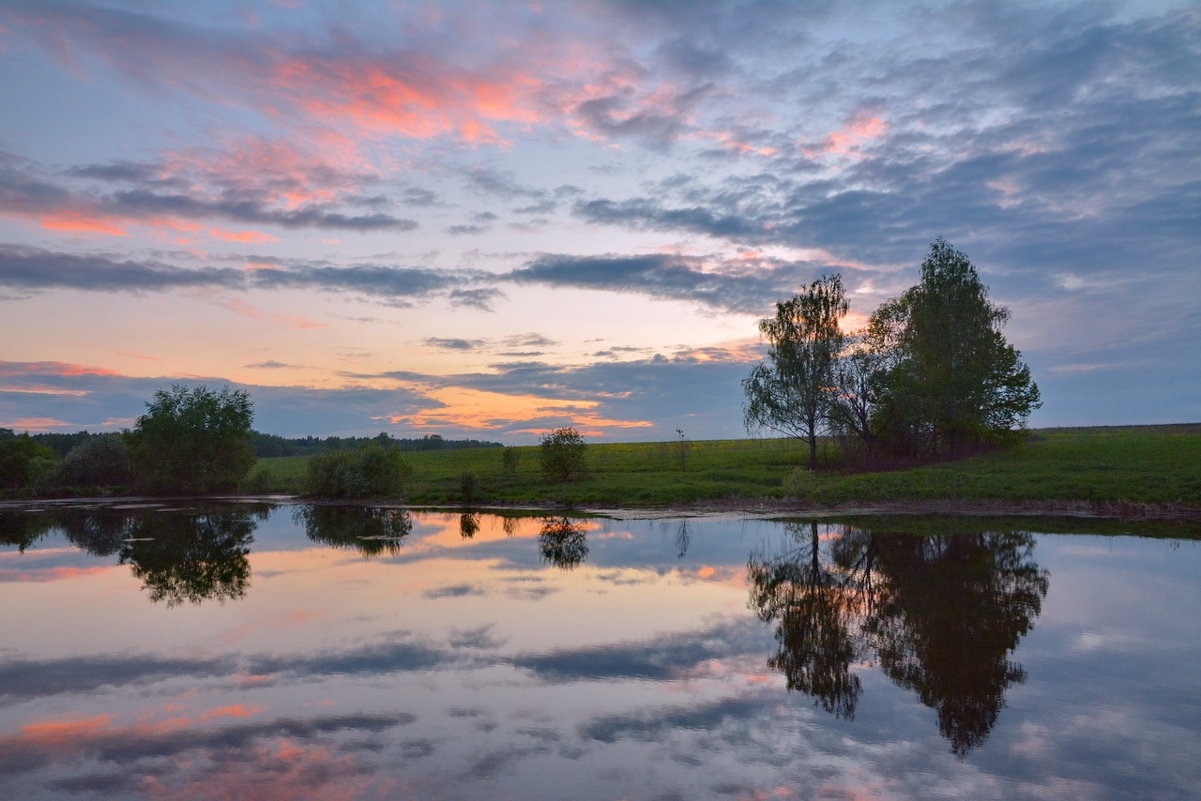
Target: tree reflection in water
x=192, y=557
x=940, y=614
x=469, y=525
x=564, y=544
x=370, y=530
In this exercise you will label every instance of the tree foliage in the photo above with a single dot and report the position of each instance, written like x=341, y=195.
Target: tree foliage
x=562, y=454
x=193, y=440
x=790, y=392
x=99, y=461
x=956, y=383
x=23, y=461
x=371, y=471
x=930, y=376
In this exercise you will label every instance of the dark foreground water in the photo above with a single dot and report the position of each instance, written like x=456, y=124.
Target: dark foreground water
x=255, y=652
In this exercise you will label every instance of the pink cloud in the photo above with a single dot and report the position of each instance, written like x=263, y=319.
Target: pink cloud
x=862, y=128
x=253, y=237
x=245, y=309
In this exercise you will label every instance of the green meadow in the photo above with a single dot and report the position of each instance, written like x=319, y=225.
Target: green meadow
x=1158, y=465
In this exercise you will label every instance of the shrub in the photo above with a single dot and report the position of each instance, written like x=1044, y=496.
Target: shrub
x=801, y=483
x=372, y=471
x=23, y=462
x=562, y=454
x=509, y=458
x=469, y=486
x=101, y=461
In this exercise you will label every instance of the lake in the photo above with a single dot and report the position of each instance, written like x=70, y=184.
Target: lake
x=259, y=651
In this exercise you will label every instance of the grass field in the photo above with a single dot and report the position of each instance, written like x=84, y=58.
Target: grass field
x=1130, y=464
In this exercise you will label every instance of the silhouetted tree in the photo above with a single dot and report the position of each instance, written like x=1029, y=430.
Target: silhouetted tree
x=193, y=440
x=957, y=382
x=791, y=392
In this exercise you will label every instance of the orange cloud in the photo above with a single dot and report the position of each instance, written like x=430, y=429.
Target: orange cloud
x=475, y=408
x=56, y=732
x=76, y=222
x=253, y=237
x=75, y=393
x=34, y=424
x=50, y=368
x=234, y=711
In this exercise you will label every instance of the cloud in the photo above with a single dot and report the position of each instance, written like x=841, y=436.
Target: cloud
x=36, y=268
x=270, y=364
x=643, y=214
x=252, y=181
x=33, y=678
x=454, y=344
x=737, y=286
x=661, y=659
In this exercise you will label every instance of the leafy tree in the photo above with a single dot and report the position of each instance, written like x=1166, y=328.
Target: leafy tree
x=791, y=392
x=372, y=471
x=193, y=440
x=23, y=461
x=98, y=461
x=562, y=454
x=957, y=382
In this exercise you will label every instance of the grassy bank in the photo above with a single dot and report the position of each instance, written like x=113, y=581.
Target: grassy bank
x=1119, y=465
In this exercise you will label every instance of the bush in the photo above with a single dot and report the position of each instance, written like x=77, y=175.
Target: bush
x=509, y=458
x=101, y=461
x=23, y=462
x=469, y=486
x=372, y=471
x=801, y=484
x=562, y=454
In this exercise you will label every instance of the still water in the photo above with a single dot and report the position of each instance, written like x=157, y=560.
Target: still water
x=252, y=651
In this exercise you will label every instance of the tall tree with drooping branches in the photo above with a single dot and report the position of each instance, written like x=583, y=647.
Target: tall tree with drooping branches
x=793, y=390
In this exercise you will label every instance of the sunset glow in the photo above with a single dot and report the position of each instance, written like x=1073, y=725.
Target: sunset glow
x=491, y=220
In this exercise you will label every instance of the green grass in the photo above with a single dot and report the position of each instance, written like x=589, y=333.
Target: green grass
x=1134, y=464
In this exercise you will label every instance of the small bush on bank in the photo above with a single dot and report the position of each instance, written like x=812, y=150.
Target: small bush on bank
x=372, y=471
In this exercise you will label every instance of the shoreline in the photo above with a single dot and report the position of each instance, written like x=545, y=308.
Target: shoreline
x=709, y=508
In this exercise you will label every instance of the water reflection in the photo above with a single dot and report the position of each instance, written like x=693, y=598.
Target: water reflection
x=370, y=530
x=563, y=543
x=191, y=558
x=469, y=525
x=940, y=614
x=615, y=655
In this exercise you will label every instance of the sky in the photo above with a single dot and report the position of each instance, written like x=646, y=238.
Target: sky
x=493, y=219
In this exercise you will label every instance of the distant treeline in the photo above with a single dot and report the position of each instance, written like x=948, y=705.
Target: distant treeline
x=273, y=445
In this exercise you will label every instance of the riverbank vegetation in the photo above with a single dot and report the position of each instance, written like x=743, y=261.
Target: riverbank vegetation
x=1110, y=466
x=930, y=377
